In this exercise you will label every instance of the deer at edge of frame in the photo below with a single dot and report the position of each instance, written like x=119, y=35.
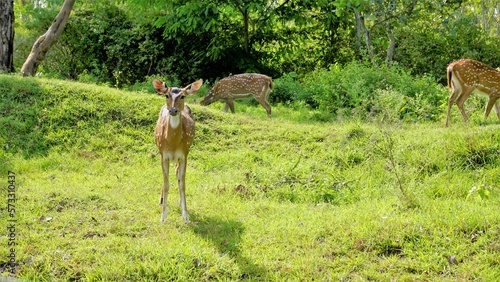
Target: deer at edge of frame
x=467, y=76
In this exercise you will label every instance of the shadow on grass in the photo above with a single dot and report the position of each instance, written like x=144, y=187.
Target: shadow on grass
x=226, y=237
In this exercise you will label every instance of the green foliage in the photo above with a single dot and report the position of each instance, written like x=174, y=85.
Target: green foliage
x=387, y=93
x=215, y=41
x=454, y=39
x=286, y=89
x=103, y=45
x=482, y=193
x=122, y=43
x=30, y=23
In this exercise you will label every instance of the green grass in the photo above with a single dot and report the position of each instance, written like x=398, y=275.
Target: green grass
x=282, y=199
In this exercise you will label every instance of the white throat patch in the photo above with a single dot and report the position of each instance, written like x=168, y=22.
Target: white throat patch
x=174, y=121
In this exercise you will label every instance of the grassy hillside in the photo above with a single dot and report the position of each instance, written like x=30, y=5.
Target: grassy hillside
x=279, y=199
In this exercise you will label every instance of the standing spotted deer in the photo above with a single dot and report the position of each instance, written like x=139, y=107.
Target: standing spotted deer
x=241, y=86
x=174, y=135
x=467, y=76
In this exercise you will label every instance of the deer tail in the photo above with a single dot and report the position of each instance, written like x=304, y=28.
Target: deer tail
x=449, y=72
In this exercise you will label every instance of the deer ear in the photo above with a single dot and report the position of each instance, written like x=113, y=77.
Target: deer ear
x=193, y=87
x=159, y=86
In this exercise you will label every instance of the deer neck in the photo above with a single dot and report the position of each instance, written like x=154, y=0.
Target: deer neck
x=173, y=129
x=169, y=131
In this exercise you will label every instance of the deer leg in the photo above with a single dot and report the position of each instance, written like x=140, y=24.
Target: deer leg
x=181, y=175
x=497, y=109
x=461, y=100
x=230, y=104
x=164, y=191
x=266, y=106
x=491, y=102
x=455, y=92
x=266, y=100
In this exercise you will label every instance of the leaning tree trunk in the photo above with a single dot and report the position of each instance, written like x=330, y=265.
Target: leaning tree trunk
x=6, y=35
x=361, y=27
x=44, y=42
x=392, y=41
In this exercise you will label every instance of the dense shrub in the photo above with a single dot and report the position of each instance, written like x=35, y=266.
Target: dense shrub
x=364, y=91
x=121, y=43
x=428, y=53
x=104, y=46
x=286, y=89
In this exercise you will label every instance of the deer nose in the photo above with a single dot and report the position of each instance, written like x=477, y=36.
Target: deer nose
x=173, y=111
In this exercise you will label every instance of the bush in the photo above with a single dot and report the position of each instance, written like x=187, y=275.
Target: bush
x=453, y=39
x=104, y=46
x=107, y=45
x=286, y=89
x=364, y=91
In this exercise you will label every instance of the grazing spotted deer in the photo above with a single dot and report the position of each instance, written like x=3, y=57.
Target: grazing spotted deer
x=467, y=76
x=174, y=135
x=241, y=86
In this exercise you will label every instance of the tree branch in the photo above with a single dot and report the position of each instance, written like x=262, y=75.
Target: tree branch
x=44, y=42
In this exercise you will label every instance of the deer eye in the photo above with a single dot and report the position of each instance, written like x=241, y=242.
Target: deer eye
x=167, y=95
x=182, y=97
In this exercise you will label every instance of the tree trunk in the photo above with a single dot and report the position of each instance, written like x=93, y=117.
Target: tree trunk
x=246, y=17
x=245, y=30
x=360, y=23
x=44, y=42
x=7, y=36
x=392, y=45
x=484, y=13
x=392, y=40
x=359, y=29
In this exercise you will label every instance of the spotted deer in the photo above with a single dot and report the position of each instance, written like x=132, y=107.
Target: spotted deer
x=174, y=135
x=467, y=76
x=241, y=86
